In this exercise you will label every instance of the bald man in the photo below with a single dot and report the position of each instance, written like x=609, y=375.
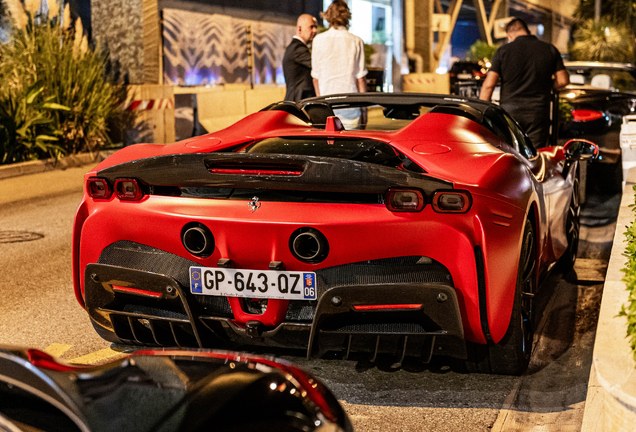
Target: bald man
x=297, y=60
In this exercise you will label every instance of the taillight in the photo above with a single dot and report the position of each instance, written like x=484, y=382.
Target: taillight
x=583, y=115
x=404, y=200
x=98, y=188
x=451, y=201
x=128, y=190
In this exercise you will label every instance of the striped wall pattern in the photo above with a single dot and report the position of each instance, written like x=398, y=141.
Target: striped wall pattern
x=118, y=26
x=212, y=48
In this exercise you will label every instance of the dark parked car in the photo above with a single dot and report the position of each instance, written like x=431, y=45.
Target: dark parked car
x=466, y=78
x=163, y=391
x=599, y=95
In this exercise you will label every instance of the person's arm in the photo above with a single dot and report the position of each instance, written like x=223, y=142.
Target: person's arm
x=561, y=79
x=361, y=83
x=488, y=86
x=316, y=86
x=302, y=55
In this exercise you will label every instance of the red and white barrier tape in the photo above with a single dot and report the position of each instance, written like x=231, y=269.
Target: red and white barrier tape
x=144, y=105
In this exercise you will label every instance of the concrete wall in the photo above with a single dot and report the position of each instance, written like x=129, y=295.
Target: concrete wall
x=118, y=25
x=277, y=11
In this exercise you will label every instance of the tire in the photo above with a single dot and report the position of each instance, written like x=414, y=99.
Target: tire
x=572, y=228
x=511, y=355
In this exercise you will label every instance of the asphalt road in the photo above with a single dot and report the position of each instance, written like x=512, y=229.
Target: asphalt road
x=38, y=309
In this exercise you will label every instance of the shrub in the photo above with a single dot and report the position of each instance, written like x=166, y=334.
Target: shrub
x=629, y=310
x=602, y=41
x=46, y=49
x=480, y=51
x=26, y=126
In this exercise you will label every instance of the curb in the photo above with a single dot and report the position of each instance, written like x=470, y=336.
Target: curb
x=611, y=398
x=44, y=165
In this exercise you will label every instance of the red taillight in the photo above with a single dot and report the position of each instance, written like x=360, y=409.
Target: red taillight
x=583, y=115
x=404, y=200
x=451, y=201
x=128, y=190
x=260, y=169
x=255, y=171
x=98, y=188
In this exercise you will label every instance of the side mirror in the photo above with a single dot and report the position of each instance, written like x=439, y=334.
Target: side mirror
x=580, y=149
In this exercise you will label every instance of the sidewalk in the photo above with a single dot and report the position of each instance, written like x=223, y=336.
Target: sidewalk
x=611, y=401
x=45, y=178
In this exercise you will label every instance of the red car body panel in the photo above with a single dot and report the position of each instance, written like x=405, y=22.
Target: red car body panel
x=456, y=149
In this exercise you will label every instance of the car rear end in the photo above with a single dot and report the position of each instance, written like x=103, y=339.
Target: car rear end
x=359, y=252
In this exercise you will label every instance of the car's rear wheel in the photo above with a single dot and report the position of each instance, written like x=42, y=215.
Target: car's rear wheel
x=572, y=227
x=512, y=354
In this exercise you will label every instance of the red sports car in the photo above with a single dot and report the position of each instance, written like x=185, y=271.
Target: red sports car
x=424, y=230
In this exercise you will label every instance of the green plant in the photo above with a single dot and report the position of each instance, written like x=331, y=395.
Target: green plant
x=480, y=51
x=27, y=129
x=565, y=112
x=45, y=48
x=602, y=41
x=621, y=12
x=368, y=52
x=629, y=310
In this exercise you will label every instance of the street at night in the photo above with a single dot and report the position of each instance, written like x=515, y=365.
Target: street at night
x=39, y=310
x=317, y=215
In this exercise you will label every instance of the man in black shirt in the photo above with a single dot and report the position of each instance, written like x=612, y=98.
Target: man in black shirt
x=297, y=60
x=529, y=69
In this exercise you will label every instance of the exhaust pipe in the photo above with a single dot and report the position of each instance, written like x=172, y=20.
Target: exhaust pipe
x=197, y=239
x=309, y=245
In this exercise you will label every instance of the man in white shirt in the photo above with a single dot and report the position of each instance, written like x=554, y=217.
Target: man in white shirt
x=337, y=59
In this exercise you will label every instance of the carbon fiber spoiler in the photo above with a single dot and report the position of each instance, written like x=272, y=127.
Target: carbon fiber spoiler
x=268, y=171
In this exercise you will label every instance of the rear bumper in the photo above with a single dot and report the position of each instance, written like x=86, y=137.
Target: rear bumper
x=145, y=308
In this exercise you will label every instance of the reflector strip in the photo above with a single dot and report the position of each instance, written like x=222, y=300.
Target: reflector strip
x=253, y=171
x=136, y=291
x=384, y=307
x=45, y=361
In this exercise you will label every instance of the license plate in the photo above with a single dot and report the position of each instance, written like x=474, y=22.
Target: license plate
x=269, y=284
x=464, y=76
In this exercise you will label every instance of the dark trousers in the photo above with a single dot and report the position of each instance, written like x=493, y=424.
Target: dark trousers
x=534, y=120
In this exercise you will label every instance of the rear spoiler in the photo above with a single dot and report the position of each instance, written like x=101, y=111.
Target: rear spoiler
x=270, y=171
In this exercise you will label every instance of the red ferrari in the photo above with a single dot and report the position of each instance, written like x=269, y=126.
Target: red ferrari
x=425, y=229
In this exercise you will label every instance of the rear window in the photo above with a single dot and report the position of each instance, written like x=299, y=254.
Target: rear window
x=355, y=149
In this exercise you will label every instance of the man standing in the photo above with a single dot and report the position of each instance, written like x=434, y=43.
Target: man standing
x=526, y=67
x=338, y=64
x=297, y=60
x=338, y=56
